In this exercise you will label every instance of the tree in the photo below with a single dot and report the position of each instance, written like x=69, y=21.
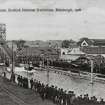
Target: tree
x=20, y=44
x=84, y=38
x=49, y=44
x=65, y=44
x=26, y=46
x=37, y=44
x=68, y=43
x=72, y=43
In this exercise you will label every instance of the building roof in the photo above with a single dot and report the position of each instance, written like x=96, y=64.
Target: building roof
x=98, y=42
x=94, y=42
x=93, y=50
x=89, y=42
x=76, y=51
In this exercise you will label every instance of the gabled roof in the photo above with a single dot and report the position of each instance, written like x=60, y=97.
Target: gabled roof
x=88, y=41
x=94, y=42
x=84, y=43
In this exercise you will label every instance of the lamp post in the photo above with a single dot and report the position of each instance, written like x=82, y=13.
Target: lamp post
x=12, y=69
x=91, y=81
x=92, y=67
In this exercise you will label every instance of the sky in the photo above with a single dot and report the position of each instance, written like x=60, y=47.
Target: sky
x=90, y=22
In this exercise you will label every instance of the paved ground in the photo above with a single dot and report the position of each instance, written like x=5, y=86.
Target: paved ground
x=11, y=94
x=75, y=83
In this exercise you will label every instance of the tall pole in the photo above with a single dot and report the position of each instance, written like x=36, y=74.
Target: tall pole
x=43, y=61
x=91, y=77
x=91, y=71
x=47, y=72
x=99, y=57
x=12, y=59
x=27, y=62
x=12, y=70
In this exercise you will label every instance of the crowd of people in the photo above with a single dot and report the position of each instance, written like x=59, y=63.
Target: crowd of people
x=58, y=95
x=23, y=81
x=77, y=65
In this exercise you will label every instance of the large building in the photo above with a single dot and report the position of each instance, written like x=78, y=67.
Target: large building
x=92, y=46
x=85, y=46
x=71, y=54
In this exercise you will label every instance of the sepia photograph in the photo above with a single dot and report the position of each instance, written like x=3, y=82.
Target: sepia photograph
x=52, y=52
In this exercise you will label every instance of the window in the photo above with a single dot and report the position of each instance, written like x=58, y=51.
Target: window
x=63, y=53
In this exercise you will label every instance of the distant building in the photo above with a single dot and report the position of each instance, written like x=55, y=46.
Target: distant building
x=91, y=42
x=71, y=54
x=91, y=47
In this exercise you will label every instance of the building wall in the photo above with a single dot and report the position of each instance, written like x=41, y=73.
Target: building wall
x=69, y=57
x=71, y=54
x=65, y=50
